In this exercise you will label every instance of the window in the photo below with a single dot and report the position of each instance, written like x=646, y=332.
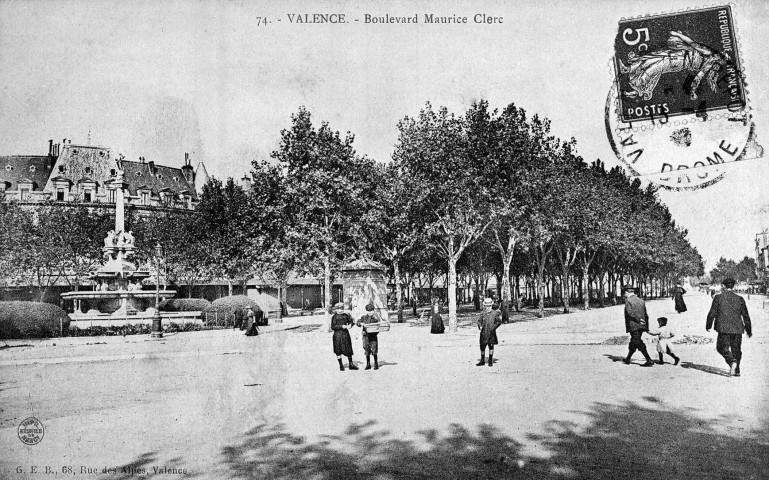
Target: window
x=62, y=169
x=145, y=198
x=60, y=195
x=87, y=196
x=8, y=168
x=111, y=195
x=160, y=177
x=112, y=172
x=88, y=170
x=24, y=193
x=138, y=174
x=32, y=169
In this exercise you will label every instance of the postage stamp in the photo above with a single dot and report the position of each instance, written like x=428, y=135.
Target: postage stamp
x=678, y=64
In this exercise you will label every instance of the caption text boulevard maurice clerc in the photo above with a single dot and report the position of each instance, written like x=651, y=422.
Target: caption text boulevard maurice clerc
x=480, y=18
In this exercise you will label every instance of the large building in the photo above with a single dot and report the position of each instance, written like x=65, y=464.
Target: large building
x=88, y=174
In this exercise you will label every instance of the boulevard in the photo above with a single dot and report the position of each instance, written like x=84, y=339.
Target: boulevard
x=557, y=403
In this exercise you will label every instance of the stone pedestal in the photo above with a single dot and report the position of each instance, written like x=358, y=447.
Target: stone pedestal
x=364, y=282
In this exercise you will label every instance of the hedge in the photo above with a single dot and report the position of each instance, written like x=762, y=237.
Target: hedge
x=184, y=305
x=32, y=320
x=234, y=309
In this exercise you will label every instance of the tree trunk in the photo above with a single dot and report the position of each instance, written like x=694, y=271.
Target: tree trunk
x=327, y=283
x=541, y=288
x=398, y=289
x=229, y=287
x=453, y=294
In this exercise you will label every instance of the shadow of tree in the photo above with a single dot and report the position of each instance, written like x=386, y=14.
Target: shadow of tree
x=625, y=441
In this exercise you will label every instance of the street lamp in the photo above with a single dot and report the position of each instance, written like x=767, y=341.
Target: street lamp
x=157, y=327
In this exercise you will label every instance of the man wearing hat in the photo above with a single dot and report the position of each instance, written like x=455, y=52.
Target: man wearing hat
x=340, y=323
x=488, y=323
x=730, y=315
x=636, y=323
x=370, y=340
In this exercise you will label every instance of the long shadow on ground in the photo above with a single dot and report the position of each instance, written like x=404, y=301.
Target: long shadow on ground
x=625, y=441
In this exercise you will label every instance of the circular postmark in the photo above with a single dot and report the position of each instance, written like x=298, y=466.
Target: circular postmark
x=31, y=431
x=685, y=153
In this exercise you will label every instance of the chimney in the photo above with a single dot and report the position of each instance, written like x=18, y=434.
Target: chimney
x=151, y=163
x=50, y=147
x=187, y=170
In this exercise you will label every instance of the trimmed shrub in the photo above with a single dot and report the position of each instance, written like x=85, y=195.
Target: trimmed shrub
x=234, y=309
x=32, y=320
x=184, y=305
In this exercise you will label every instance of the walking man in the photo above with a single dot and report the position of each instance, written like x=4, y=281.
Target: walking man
x=636, y=323
x=488, y=323
x=730, y=315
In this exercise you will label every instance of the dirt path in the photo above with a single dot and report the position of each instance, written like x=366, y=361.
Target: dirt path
x=556, y=404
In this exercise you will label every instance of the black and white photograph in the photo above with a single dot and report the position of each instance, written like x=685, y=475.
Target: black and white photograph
x=384, y=239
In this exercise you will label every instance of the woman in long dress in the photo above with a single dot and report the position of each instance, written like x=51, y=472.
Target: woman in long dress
x=436, y=321
x=678, y=298
x=340, y=323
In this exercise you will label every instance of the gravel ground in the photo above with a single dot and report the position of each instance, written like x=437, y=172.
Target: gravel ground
x=557, y=403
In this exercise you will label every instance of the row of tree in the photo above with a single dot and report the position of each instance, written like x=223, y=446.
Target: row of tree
x=464, y=197
x=742, y=271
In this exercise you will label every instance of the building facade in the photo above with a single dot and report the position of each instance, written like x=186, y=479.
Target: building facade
x=88, y=174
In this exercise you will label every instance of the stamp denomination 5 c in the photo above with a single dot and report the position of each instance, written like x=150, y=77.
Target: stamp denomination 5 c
x=678, y=64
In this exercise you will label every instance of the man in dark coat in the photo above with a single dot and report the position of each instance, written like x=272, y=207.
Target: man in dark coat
x=678, y=298
x=370, y=340
x=730, y=315
x=636, y=323
x=340, y=323
x=488, y=323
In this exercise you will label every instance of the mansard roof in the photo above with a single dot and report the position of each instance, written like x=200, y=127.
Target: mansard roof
x=148, y=175
x=17, y=168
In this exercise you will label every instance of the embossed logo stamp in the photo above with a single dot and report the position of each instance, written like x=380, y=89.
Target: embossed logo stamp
x=678, y=64
x=31, y=431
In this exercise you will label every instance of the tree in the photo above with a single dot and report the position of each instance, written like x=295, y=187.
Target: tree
x=442, y=159
x=329, y=187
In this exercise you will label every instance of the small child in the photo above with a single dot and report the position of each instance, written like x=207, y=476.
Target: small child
x=664, y=345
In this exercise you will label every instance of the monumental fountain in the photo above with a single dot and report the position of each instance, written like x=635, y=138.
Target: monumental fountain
x=118, y=298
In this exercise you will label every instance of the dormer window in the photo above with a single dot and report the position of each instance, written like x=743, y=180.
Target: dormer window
x=87, y=196
x=160, y=177
x=88, y=170
x=60, y=195
x=112, y=172
x=145, y=196
x=62, y=169
x=111, y=195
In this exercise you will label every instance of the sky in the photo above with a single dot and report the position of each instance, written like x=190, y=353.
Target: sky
x=158, y=79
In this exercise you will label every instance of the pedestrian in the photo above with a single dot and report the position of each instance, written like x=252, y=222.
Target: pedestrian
x=636, y=323
x=436, y=321
x=340, y=323
x=729, y=314
x=664, y=345
x=370, y=340
x=488, y=322
x=678, y=298
x=251, y=323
